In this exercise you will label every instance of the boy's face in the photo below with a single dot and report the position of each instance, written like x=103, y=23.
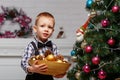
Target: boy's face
x=44, y=28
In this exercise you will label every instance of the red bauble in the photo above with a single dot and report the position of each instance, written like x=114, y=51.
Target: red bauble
x=111, y=42
x=86, y=68
x=115, y=9
x=88, y=49
x=96, y=60
x=102, y=74
x=104, y=23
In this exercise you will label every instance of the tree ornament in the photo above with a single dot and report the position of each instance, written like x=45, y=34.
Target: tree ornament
x=102, y=74
x=79, y=35
x=104, y=23
x=83, y=44
x=77, y=75
x=80, y=32
x=115, y=9
x=89, y=3
x=86, y=68
x=111, y=42
x=96, y=60
x=93, y=13
x=74, y=58
x=88, y=49
x=92, y=78
x=73, y=52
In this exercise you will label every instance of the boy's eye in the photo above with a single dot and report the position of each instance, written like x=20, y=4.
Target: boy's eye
x=41, y=25
x=50, y=27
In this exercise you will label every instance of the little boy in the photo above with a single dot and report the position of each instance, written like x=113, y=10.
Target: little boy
x=43, y=29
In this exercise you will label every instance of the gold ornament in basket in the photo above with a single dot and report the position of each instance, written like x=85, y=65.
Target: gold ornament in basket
x=55, y=65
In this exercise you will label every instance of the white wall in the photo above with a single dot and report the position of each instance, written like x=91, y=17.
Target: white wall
x=70, y=14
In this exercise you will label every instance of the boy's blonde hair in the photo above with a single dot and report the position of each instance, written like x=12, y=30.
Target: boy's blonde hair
x=45, y=14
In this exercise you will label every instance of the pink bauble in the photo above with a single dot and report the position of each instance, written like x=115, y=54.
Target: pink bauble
x=111, y=42
x=115, y=9
x=102, y=74
x=88, y=49
x=86, y=68
x=104, y=23
x=96, y=60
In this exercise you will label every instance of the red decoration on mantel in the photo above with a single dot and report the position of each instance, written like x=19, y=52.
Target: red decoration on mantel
x=15, y=16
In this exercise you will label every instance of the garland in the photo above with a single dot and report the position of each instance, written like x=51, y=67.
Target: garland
x=15, y=16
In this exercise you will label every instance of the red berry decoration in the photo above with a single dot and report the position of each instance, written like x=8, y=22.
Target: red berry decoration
x=96, y=60
x=102, y=74
x=88, y=49
x=104, y=23
x=115, y=9
x=86, y=68
x=111, y=42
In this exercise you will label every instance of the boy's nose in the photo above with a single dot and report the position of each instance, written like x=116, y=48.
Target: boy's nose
x=46, y=28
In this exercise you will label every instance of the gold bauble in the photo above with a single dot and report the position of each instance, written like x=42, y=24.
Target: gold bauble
x=59, y=61
x=93, y=13
x=39, y=57
x=92, y=78
x=77, y=75
x=83, y=44
x=33, y=58
x=51, y=57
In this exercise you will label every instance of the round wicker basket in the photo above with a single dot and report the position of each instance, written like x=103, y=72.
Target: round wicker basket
x=54, y=67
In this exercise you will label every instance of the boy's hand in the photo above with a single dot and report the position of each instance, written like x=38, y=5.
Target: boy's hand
x=38, y=68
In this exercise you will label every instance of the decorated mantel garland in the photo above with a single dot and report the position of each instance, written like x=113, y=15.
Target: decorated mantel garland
x=15, y=16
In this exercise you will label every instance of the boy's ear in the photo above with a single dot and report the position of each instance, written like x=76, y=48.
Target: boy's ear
x=34, y=28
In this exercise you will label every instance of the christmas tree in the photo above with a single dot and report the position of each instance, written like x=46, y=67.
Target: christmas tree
x=96, y=52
